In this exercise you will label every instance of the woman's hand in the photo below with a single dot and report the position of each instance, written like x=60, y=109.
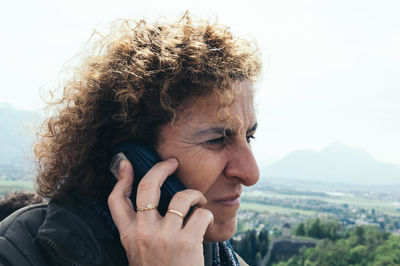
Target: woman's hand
x=147, y=237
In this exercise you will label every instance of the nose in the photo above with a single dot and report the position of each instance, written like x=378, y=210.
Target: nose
x=242, y=165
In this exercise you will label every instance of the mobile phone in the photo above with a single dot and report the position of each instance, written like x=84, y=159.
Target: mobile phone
x=143, y=158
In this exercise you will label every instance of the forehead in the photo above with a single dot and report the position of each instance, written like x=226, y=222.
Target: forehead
x=237, y=107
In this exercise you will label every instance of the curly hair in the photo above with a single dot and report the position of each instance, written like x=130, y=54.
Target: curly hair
x=135, y=80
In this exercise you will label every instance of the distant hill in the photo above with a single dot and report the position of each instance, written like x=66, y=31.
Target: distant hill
x=335, y=163
x=16, y=136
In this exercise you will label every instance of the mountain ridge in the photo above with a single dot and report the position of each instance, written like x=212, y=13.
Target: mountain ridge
x=336, y=162
x=17, y=134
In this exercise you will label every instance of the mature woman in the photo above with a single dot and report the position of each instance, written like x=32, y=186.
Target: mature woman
x=183, y=88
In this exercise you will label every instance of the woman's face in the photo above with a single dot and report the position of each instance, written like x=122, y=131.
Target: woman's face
x=213, y=148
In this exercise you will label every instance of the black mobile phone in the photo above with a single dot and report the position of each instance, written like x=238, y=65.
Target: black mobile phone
x=143, y=158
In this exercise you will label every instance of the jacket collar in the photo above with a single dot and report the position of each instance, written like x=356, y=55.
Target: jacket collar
x=75, y=234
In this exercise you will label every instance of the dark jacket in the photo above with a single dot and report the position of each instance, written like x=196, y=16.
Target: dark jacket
x=61, y=233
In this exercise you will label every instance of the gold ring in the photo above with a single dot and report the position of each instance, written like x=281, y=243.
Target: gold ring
x=176, y=212
x=148, y=207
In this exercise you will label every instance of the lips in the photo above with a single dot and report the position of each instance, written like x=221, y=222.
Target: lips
x=230, y=200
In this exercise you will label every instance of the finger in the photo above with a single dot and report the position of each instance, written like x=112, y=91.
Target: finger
x=119, y=202
x=149, y=187
x=181, y=202
x=198, y=223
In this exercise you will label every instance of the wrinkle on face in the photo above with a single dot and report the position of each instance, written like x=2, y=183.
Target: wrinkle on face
x=204, y=118
x=211, y=143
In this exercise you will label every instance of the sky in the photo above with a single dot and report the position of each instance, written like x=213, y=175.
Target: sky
x=331, y=67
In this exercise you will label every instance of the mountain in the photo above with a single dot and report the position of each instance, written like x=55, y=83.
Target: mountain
x=17, y=132
x=335, y=163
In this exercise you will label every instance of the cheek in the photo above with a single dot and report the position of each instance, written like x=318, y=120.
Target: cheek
x=200, y=173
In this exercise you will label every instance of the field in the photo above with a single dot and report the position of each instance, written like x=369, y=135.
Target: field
x=355, y=201
x=389, y=207
x=273, y=209
x=7, y=186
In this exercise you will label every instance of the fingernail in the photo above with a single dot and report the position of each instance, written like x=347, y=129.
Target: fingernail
x=173, y=160
x=118, y=163
x=123, y=165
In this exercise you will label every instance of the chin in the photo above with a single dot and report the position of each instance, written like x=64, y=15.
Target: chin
x=219, y=232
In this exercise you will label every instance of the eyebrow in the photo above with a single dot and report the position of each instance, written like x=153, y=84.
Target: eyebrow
x=220, y=131
x=253, y=128
x=209, y=131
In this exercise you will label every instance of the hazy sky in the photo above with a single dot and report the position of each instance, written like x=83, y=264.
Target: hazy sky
x=331, y=68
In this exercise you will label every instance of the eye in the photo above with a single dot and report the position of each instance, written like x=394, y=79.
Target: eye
x=222, y=140
x=217, y=141
x=249, y=137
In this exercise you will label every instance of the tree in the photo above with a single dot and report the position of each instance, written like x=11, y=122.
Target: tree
x=300, y=230
x=379, y=248
x=359, y=233
x=315, y=229
x=253, y=246
x=263, y=242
